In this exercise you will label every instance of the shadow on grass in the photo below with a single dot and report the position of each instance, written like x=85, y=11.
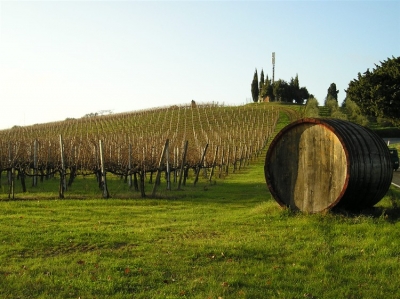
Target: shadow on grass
x=390, y=211
x=221, y=192
x=390, y=214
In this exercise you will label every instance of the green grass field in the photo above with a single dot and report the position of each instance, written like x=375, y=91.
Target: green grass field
x=224, y=239
x=228, y=239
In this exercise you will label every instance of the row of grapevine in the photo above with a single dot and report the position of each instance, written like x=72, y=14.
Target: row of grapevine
x=132, y=143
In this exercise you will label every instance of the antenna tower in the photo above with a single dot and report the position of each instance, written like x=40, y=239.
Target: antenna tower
x=273, y=67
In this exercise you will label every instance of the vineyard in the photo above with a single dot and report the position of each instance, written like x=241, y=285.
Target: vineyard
x=131, y=145
x=227, y=238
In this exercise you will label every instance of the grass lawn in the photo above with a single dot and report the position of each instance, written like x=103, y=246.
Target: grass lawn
x=227, y=239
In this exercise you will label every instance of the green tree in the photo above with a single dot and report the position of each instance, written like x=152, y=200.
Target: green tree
x=304, y=95
x=377, y=92
x=261, y=80
x=332, y=104
x=281, y=91
x=296, y=93
x=266, y=90
x=354, y=113
x=311, y=108
x=334, y=109
x=294, y=89
x=332, y=92
x=261, y=84
x=254, y=87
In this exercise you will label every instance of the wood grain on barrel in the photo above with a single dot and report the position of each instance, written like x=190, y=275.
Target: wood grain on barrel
x=314, y=164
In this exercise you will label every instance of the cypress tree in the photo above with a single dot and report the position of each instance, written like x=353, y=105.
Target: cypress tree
x=261, y=81
x=332, y=92
x=254, y=87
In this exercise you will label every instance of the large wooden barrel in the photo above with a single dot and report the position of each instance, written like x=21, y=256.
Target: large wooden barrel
x=314, y=164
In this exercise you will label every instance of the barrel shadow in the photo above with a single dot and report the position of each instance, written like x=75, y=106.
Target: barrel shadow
x=391, y=214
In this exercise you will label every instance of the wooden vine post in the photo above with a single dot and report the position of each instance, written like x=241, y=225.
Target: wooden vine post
x=200, y=165
x=12, y=184
x=221, y=162
x=183, y=164
x=130, y=166
x=175, y=163
x=97, y=165
x=72, y=168
x=103, y=178
x=213, y=163
x=35, y=163
x=62, y=170
x=157, y=182
x=168, y=169
x=240, y=156
x=227, y=162
x=234, y=159
x=142, y=178
x=135, y=181
x=49, y=163
x=10, y=163
x=21, y=174
x=142, y=175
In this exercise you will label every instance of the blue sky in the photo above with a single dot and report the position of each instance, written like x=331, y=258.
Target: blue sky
x=61, y=59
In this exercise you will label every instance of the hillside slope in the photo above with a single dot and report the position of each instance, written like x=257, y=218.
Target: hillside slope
x=134, y=141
